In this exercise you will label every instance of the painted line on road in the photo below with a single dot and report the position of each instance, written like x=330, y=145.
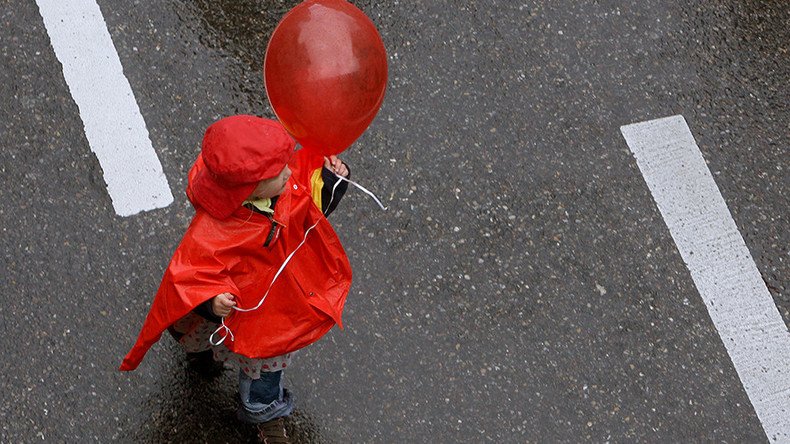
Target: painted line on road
x=721, y=266
x=114, y=127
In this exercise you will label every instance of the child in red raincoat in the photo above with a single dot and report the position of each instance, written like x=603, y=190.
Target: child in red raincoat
x=259, y=271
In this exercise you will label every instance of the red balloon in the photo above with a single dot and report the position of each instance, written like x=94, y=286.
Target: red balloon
x=325, y=72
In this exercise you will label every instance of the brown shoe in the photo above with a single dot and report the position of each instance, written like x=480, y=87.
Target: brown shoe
x=271, y=432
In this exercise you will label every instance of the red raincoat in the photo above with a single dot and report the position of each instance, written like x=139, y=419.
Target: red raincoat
x=218, y=256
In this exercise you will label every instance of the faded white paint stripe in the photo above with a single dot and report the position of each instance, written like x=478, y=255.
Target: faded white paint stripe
x=721, y=266
x=114, y=127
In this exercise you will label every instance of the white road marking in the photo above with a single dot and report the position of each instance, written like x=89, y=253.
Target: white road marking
x=114, y=127
x=721, y=266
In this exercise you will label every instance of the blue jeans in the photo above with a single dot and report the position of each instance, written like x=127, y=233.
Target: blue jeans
x=263, y=399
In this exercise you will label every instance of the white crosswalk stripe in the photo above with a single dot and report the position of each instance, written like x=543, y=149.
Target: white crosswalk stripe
x=114, y=127
x=721, y=266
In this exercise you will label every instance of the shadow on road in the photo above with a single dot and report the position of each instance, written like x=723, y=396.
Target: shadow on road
x=188, y=407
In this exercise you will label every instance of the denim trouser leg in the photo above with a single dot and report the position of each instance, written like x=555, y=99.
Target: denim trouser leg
x=263, y=399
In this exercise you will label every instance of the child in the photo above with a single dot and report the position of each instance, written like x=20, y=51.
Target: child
x=260, y=270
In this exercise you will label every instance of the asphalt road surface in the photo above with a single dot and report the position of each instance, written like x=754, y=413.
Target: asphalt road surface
x=522, y=286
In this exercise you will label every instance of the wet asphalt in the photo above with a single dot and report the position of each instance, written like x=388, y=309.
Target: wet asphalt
x=522, y=286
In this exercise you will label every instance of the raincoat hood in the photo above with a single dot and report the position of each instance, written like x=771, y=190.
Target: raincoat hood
x=237, y=153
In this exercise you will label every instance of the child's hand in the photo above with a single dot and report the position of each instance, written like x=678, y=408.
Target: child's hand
x=222, y=304
x=332, y=163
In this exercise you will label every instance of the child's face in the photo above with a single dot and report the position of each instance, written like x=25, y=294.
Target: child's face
x=269, y=188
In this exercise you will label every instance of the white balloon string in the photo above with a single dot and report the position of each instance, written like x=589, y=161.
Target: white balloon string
x=276, y=275
x=227, y=332
x=332, y=197
x=364, y=190
x=224, y=327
